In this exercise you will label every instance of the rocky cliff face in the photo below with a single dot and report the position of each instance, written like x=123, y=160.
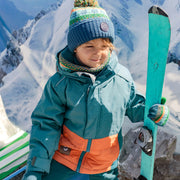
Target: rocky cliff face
x=167, y=164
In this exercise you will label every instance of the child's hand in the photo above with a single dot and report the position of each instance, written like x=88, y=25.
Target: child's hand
x=33, y=176
x=159, y=113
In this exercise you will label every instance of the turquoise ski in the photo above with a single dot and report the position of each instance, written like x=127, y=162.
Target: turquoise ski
x=159, y=39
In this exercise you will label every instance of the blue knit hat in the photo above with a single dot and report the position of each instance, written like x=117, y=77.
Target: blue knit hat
x=88, y=21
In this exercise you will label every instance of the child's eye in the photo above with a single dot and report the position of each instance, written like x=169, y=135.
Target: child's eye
x=89, y=46
x=105, y=46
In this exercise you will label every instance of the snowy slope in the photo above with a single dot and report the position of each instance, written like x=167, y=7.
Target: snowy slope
x=23, y=86
x=32, y=7
x=13, y=17
x=14, y=14
x=10, y=19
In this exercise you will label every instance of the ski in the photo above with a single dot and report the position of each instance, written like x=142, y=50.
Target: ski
x=159, y=39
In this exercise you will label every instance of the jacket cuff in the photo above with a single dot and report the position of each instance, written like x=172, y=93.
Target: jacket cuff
x=39, y=164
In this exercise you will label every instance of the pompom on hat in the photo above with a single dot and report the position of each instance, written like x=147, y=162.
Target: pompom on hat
x=88, y=21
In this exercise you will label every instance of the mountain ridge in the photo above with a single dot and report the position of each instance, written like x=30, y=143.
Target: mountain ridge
x=10, y=19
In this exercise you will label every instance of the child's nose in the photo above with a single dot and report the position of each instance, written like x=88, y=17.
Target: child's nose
x=98, y=51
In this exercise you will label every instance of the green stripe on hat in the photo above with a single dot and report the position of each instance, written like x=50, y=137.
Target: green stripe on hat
x=88, y=16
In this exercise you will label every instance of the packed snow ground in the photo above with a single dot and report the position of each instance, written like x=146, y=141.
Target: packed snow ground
x=23, y=87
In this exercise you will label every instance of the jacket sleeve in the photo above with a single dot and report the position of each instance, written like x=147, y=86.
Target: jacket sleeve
x=136, y=106
x=47, y=120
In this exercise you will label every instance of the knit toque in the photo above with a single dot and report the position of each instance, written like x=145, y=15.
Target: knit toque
x=88, y=21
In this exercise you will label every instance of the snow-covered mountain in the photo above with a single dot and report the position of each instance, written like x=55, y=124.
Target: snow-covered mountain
x=14, y=14
x=10, y=19
x=32, y=7
x=12, y=56
x=23, y=86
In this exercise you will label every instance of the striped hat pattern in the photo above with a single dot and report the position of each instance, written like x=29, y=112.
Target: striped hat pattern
x=88, y=21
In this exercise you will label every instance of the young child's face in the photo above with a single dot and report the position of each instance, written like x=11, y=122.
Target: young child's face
x=92, y=53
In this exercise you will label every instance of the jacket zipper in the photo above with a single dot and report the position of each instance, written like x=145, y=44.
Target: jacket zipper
x=83, y=154
x=87, y=94
x=89, y=140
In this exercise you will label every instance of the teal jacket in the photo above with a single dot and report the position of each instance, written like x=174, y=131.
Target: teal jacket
x=79, y=117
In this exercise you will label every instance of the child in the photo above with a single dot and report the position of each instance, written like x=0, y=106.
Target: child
x=76, y=132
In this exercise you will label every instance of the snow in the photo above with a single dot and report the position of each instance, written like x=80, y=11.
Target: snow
x=23, y=87
x=32, y=7
x=5, y=125
x=10, y=19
